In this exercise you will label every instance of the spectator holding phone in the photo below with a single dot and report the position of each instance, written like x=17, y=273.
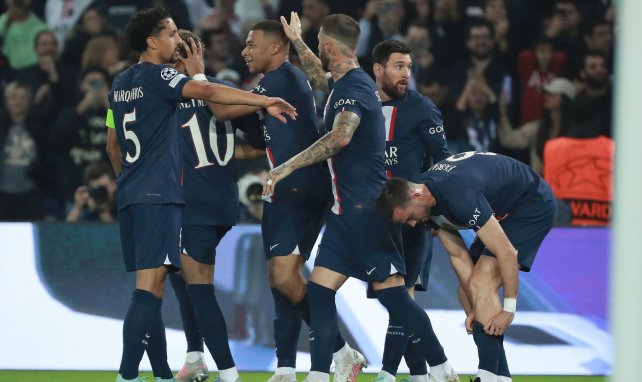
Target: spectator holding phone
x=94, y=200
x=78, y=135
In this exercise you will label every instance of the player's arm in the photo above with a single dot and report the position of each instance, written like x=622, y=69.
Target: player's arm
x=311, y=64
x=245, y=151
x=496, y=241
x=459, y=257
x=343, y=128
x=113, y=149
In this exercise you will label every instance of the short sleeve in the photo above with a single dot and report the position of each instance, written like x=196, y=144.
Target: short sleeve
x=431, y=131
x=167, y=83
x=348, y=100
x=470, y=208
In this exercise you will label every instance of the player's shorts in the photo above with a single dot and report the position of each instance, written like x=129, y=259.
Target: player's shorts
x=417, y=250
x=526, y=227
x=149, y=235
x=362, y=245
x=200, y=241
x=291, y=224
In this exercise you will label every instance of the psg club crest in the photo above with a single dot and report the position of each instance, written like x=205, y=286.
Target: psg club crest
x=168, y=73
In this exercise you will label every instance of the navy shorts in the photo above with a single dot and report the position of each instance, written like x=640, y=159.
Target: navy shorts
x=149, y=235
x=200, y=241
x=417, y=250
x=362, y=245
x=526, y=227
x=291, y=224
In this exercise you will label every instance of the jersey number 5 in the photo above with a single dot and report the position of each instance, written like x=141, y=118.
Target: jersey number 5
x=131, y=136
x=199, y=144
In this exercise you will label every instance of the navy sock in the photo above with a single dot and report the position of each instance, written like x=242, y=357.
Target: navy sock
x=304, y=309
x=287, y=325
x=192, y=334
x=415, y=360
x=324, y=326
x=503, y=363
x=136, y=331
x=394, y=347
x=211, y=323
x=415, y=321
x=157, y=348
x=488, y=348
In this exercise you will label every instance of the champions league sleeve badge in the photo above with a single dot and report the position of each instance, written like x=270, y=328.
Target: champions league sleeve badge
x=168, y=73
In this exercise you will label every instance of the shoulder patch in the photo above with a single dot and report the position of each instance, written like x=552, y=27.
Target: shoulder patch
x=168, y=73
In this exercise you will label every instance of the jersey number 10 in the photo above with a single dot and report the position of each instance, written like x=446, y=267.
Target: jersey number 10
x=199, y=144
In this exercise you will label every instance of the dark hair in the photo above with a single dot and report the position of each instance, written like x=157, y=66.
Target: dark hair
x=273, y=28
x=394, y=194
x=185, y=35
x=342, y=28
x=593, y=53
x=92, y=69
x=42, y=32
x=382, y=51
x=145, y=23
x=591, y=26
x=479, y=22
x=543, y=40
x=95, y=170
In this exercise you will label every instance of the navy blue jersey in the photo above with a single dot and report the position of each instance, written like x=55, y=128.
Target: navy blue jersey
x=470, y=187
x=284, y=141
x=414, y=135
x=358, y=171
x=209, y=178
x=144, y=102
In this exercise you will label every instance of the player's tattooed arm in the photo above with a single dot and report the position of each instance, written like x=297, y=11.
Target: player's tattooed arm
x=345, y=124
x=311, y=63
x=312, y=66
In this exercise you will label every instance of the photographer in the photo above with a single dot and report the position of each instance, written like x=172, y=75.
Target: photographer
x=250, y=192
x=94, y=201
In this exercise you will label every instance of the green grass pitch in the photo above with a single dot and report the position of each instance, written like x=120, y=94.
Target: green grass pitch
x=110, y=376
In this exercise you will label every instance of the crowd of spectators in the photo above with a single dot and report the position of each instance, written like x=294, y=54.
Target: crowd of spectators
x=508, y=76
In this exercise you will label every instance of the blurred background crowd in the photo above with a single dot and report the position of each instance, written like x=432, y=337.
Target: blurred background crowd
x=529, y=79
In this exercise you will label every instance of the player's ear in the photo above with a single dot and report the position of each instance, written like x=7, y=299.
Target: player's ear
x=377, y=69
x=151, y=42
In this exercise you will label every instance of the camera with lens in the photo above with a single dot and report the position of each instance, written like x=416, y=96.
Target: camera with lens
x=250, y=189
x=99, y=193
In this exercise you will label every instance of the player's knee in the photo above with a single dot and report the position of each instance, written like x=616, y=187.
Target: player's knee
x=480, y=286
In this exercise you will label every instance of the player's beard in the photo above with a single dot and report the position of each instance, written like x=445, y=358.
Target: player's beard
x=325, y=61
x=395, y=90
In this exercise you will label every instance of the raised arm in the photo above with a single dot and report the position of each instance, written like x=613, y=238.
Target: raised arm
x=343, y=128
x=311, y=64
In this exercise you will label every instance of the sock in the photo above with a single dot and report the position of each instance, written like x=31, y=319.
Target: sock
x=287, y=325
x=386, y=376
x=136, y=328
x=316, y=376
x=419, y=378
x=488, y=348
x=194, y=356
x=211, y=323
x=192, y=335
x=485, y=376
x=323, y=328
x=286, y=371
x=415, y=322
x=415, y=361
x=157, y=348
x=394, y=346
x=228, y=375
x=503, y=374
x=304, y=309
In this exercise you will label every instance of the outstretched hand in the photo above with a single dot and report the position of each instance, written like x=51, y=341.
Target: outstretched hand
x=277, y=107
x=497, y=325
x=194, y=61
x=293, y=28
